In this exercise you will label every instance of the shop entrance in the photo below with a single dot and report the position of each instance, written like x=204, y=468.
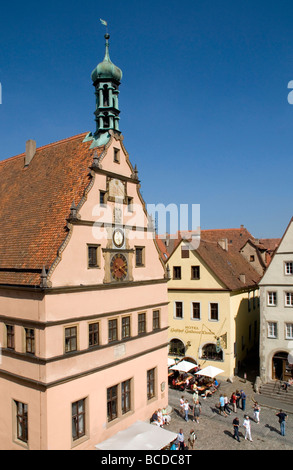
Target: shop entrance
x=281, y=368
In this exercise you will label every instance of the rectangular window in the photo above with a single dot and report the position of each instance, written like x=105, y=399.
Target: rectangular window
x=102, y=197
x=150, y=384
x=130, y=204
x=139, y=256
x=141, y=323
x=10, y=336
x=93, y=334
x=177, y=272
x=178, y=310
x=195, y=272
x=272, y=330
x=196, y=310
x=78, y=419
x=156, y=319
x=184, y=252
x=125, y=396
x=272, y=299
x=116, y=155
x=71, y=339
x=289, y=268
x=112, y=330
x=214, y=311
x=289, y=299
x=21, y=421
x=29, y=341
x=125, y=327
x=289, y=331
x=112, y=403
x=93, y=256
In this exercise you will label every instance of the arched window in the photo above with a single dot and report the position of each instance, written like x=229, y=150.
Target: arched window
x=209, y=352
x=176, y=348
x=105, y=96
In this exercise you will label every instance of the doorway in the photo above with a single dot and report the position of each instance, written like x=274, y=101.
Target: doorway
x=280, y=367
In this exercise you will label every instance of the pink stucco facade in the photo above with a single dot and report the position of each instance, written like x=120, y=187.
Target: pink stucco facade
x=55, y=377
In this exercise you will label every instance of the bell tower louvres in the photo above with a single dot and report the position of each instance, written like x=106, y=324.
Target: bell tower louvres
x=106, y=79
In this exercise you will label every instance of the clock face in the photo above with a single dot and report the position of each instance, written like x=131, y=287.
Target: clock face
x=119, y=267
x=118, y=238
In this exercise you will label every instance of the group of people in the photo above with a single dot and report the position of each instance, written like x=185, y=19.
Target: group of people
x=161, y=417
x=180, y=444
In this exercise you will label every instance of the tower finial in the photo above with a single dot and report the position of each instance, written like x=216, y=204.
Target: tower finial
x=105, y=24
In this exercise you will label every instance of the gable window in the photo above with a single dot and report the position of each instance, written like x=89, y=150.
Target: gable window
x=78, y=419
x=289, y=268
x=139, y=256
x=272, y=299
x=288, y=299
x=141, y=323
x=116, y=155
x=29, y=341
x=21, y=421
x=112, y=330
x=130, y=204
x=10, y=336
x=195, y=272
x=156, y=319
x=178, y=310
x=196, y=310
x=184, y=252
x=93, y=334
x=93, y=256
x=272, y=330
x=214, y=311
x=71, y=339
x=177, y=272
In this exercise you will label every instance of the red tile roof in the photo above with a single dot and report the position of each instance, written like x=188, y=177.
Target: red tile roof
x=35, y=203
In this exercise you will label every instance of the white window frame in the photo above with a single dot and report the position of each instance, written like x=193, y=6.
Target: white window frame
x=288, y=268
x=272, y=329
x=212, y=319
x=272, y=302
x=191, y=310
x=289, y=331
x=288, y=299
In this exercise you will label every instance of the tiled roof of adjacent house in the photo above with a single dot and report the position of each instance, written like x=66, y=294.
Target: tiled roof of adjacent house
x=35, y=203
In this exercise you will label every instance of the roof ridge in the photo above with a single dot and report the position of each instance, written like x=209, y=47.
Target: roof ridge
x=44, y=146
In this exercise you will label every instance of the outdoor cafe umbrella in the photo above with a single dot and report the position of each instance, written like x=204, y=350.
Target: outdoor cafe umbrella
x=183, y=366
x=209, y=371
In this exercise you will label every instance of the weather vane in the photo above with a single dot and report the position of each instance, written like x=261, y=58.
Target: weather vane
x=105, y=24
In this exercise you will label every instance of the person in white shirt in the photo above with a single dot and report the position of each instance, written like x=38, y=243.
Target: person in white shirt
x=246, y=424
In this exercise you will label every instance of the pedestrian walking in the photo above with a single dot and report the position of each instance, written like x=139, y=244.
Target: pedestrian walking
x=180, y=439
x=238, y=396
x=195, y=395
x=256, y=411
x=236, y=428
x=196, y=411
x=243, y=399
x=182, y=405
x=191, y=439
x=186, y=408
x=226, y=405
x=282, y=420
x=246, y=424
x=222, y=406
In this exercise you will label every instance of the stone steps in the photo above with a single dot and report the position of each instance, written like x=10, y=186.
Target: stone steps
x=272, y=390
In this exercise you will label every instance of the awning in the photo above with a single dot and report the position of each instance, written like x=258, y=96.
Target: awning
x=139, y=436
x=210, y=371
x=183, y=366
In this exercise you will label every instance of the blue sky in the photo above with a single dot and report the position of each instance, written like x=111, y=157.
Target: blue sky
x=204, y=96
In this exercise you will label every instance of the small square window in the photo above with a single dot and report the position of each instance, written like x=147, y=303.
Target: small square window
x=184, y=252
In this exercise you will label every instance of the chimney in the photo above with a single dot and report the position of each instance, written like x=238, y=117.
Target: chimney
x=242, y=278
x=223, y=244
x=30, y=150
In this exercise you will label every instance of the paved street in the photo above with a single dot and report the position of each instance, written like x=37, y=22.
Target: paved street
x=215, y=432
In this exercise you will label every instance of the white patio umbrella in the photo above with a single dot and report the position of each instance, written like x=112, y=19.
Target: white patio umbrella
x=209, y=371
x=183, y=366
x=171, y=362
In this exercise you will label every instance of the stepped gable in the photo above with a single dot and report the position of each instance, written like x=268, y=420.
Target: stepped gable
x=35, y=203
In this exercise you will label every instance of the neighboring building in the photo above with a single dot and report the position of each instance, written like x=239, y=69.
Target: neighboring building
x=214, y=302
x=83, y=290
x=276, y=295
